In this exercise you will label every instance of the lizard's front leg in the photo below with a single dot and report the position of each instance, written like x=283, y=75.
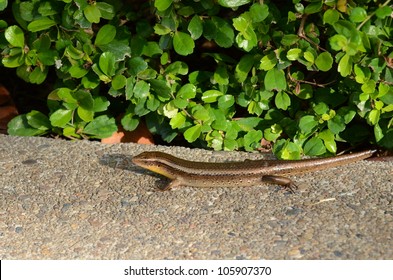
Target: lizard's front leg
x=287, y=183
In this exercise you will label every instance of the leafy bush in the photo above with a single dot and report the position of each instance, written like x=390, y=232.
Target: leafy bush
x=223, y=74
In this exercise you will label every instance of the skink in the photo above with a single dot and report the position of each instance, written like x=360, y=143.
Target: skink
x=236, y=174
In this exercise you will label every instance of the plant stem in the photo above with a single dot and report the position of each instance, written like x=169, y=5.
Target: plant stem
x=371, y=15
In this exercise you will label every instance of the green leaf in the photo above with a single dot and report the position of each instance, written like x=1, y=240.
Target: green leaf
x=306, y=92
x=92, y=13
x=358, y=14
x=147, y=74
x=65, y=94
x=320, y=108
x=348, y=114
x=141, y=89
x=220, y=121
x=177, y=67
x=211, y=96
x=160, y=29
x=4, y=24
x=180, y=103
x=338, y=42
x=183, y=43
x=38, y=120
x=215, y=140
x=40, y=24
x=247, y=38
x=136, y=65
x=161, y=88
x=119, y=82
x=259, y=12
x=25, y=12
x=383, y=12
x=70, y=132
x=37, y=76
x=294, y=54
x=99, y=73
x=275, y=80
x=170, y=110
x=349, y=31
x=105, y=35
x=48, y=9
x=243, y=67
x=152, y=103
x=200, y=113
x=162, y=5
x=232, y=131
x=85, y=99
x=14, y=35
x=374, y=116
x=378, y=132
x=81, y=3
x=19, y=126
x=230, y=145
x=129, y=87
x=130, y=122
x=284, y=149
x=47, y=57
x=119, y=49
x=101, y=127
x=85, y=115
x=107, y=63
x=313, y=7
x=324, y=61
x=101, y=104
x=193, y=133
x=220, y=31
x=308, y=124
x=345, y=65
x=178, y=121
x=268, y=61
x=383, y=89
x=309, y=56
x=3, y=4
x=369, y=87
x=77, y=71
x=233, y=3
x=226, y=101
x=331, y=16
x=328, y=138
x=247, y=124
x=336, y=124
x=195, y=27
x=362, y=74
x=107, y=10
x=282, y=100
x=13, y=61
x=289, y=39
x=221, y=75
x=314, y=147
x=60, y=117
x=187, y=91
x=244, y=25
x=252, y=140
x=151, y=49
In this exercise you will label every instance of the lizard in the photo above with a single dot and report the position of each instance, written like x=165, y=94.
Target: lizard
x=236, y=174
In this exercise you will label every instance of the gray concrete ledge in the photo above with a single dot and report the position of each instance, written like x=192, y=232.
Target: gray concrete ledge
x=86, y=200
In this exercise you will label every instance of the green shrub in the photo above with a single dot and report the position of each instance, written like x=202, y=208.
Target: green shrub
x=223, y=74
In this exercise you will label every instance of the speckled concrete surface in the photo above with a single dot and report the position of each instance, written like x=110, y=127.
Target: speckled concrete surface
x=85, y=200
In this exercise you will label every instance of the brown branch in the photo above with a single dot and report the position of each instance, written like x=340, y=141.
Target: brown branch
x=314, y=83
x=302, y=34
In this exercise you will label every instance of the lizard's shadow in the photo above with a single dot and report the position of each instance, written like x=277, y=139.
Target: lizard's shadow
x=121, y=161
x=124, y=162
